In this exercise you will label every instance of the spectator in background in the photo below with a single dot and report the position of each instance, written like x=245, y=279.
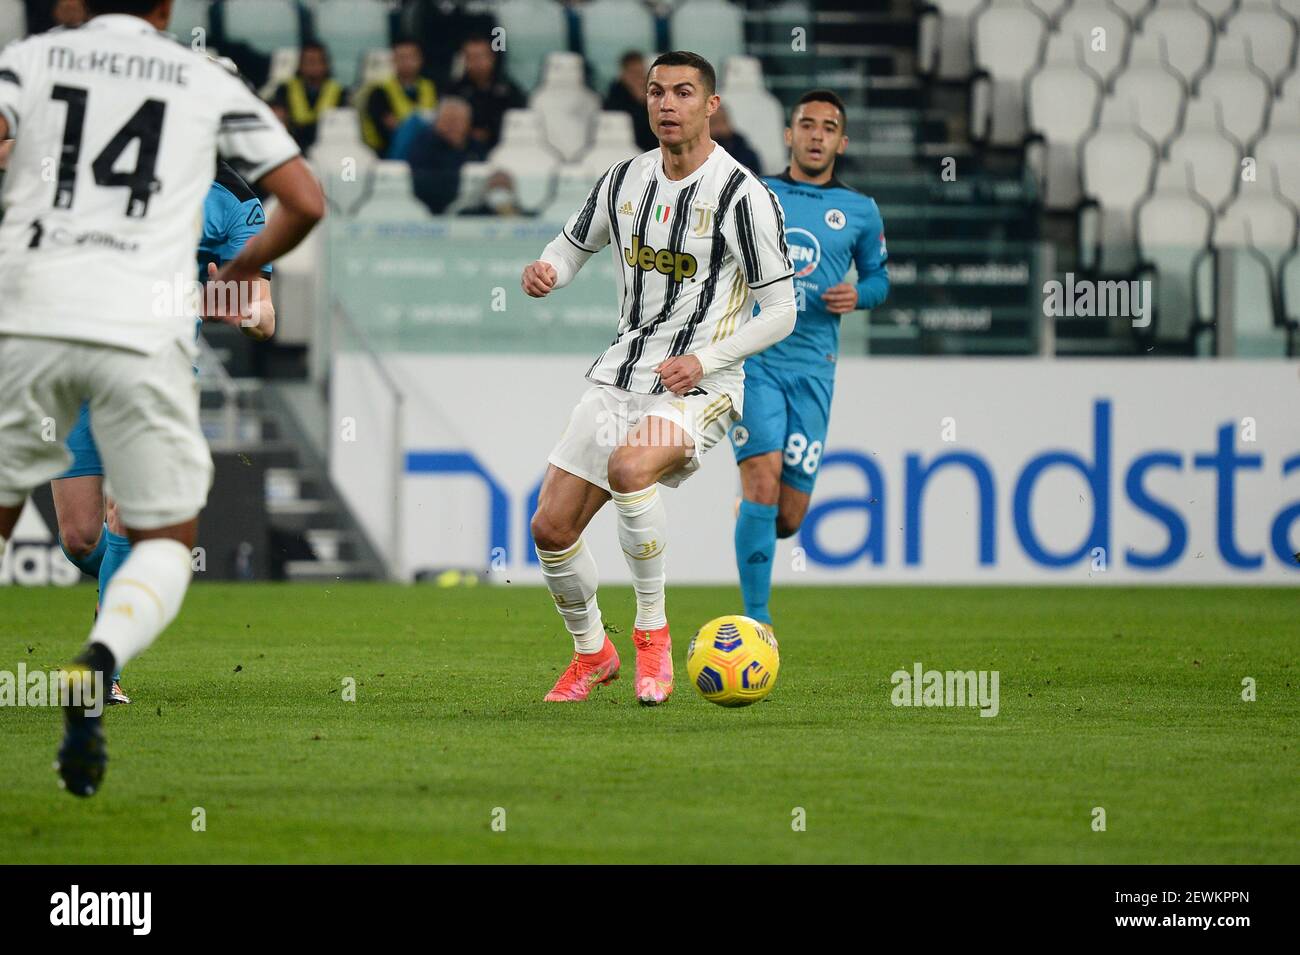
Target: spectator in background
x=487, y=89
x=724, y=135
x=69, y=13
x=438, y=153
x=387, y=105
x=300, y=101
x=627, y=95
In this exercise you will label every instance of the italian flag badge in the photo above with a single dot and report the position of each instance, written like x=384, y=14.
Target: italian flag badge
x=662, y=213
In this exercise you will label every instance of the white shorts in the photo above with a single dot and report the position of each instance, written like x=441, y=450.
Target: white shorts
x=145, y=414
x=605, y=415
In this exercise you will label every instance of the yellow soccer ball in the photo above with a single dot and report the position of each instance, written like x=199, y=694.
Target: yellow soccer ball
x=733, y=661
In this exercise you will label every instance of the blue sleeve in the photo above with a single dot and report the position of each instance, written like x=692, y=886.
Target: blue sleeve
x=245, y=220
x=869, y=256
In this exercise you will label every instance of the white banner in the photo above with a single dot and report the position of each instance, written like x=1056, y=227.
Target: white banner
x=935, y=471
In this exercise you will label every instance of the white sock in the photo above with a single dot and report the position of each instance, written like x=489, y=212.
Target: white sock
x=643, y=533
x=571, y=574
x=143, y=597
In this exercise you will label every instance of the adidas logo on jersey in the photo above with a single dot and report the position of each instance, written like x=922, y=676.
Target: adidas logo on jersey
x=680, y=265
x=625, y=209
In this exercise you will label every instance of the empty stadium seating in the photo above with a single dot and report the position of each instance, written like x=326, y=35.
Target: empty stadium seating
x=566, y=107
x=714, y=29
x=755, y=111
x=189, y=16
x=533, y=29
x=524, y=154
x=1117, y=170
x=1173, y=230
x=1009, y=44
x=264, y=25
x=1063, y=105
x=611, y=27
x=349, y=28
x=13, y=21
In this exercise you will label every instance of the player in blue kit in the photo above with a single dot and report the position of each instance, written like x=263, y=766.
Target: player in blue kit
x=778, y=442
x=89, y=531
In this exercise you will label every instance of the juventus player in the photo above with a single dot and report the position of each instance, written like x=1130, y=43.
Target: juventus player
x=697, y=239
x=135, y=122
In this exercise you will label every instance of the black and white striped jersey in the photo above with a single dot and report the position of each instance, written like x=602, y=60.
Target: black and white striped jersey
x=118, y=129
x=688, y=253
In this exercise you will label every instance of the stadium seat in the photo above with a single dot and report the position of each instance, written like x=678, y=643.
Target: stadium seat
x=188, y=16
x=391, y=197
x=13, y=21
x=1182, y=35
x=566, y=106
x=264, y=25
x=1117, y=170
x=474, y=178
x=1262, y=229
x=534, y=28
x=284, y=64
x=1076, y=29
x=349, y=28
x=714, y=29
x=754, y=111
x=1291, y=289
x=1277, y=154
x=1261, y=38
x=524, y=154
x=572, y=186
x=1008, y=47
x=1134, y=10
x=613, y=142
x=1242, y=96
x=376, y=65
x=1216, y=10
x=1150, y=97
x=1050, y=9
x=609, y=29
x=944, y=40
x=1204, y=162
x=341, y=160
x=1063, y=104
x=1173, y=239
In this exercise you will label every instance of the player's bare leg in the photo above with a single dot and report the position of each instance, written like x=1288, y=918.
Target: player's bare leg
x=565, y=507
x=654, y=449
x=79, y=508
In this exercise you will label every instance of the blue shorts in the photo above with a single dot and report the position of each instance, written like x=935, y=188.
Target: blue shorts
x=85, y=455
x=788, y=412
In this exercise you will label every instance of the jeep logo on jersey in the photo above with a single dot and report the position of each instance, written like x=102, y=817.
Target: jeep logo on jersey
x=680, y=265
x=805, y=252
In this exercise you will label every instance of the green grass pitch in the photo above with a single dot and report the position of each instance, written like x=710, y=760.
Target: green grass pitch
x=1125, y=699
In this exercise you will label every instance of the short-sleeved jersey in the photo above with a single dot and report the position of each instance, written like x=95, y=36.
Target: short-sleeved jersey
x=828, y=228
x=688, y=254
x=133, y=122
x=232, y=215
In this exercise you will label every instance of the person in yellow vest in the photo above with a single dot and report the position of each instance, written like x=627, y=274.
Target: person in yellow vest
x=389, y=103
x=312, y=91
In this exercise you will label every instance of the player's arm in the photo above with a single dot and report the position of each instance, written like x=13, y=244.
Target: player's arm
x=585, y=234
x=755, y=233
x=869, y=256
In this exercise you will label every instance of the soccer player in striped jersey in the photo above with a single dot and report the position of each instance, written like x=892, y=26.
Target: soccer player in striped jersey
x=697, y=239
x=778, y=441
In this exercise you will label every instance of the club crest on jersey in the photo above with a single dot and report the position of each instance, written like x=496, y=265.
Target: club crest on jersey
x=703, y=220
x=836, y=219
x=680, y=265
x=662, y=212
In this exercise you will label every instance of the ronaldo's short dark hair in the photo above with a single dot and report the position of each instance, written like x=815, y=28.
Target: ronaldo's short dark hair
x=686, y=58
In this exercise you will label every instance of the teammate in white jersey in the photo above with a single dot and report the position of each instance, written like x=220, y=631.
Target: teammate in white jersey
x=697, y=240
x=135, y=122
